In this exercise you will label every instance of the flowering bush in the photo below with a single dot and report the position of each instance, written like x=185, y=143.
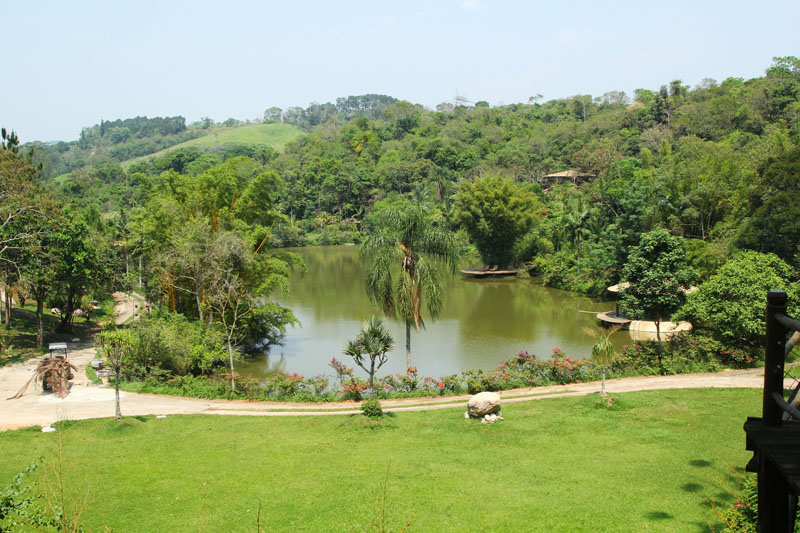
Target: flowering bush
x=353, y=390
x=685, y=353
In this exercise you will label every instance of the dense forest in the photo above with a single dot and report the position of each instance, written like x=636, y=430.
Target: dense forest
x=199, y=230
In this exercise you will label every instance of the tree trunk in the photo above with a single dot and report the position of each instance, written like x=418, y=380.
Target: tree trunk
x=408, y=344
x=39, y=323
x=658, y=333
x=117, y=412
x=140, y=271
x=198, y=299
x=371, y=377
x=7, y=304
x=660, y=346
x=603, y=386
x=230, y=359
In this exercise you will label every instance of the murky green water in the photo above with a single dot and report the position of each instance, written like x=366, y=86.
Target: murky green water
x=482, y=322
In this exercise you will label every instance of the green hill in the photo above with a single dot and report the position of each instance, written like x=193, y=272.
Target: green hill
x=273, y=135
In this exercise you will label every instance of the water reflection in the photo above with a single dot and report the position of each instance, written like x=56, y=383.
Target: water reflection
x=482, y=321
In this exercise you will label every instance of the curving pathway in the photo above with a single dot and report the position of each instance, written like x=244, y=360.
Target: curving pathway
x=88, y=400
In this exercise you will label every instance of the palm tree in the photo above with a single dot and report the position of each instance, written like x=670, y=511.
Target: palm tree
x=375, y=341
x=400, y=239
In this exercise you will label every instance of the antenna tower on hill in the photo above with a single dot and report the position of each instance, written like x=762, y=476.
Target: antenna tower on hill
x=459, y=100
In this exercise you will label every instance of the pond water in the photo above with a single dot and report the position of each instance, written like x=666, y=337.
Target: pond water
x=482, y=321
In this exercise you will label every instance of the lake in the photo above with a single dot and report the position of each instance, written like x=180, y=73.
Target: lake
x=482, y=321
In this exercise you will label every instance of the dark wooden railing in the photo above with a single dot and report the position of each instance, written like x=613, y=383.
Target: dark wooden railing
x=774, y=439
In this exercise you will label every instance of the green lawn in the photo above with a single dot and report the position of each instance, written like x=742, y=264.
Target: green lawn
x=273, y=135
x=655, y=461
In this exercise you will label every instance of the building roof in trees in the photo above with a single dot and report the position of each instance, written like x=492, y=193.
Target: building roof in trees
x=572, y=175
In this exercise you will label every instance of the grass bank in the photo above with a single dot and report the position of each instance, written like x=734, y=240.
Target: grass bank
x=273, y=135
x=653, y=460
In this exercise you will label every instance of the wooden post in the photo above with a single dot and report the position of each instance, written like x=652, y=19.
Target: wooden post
x=773, y=491
x=774, y=358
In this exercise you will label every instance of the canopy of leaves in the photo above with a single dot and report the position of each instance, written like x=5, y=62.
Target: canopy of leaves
x=496, y=212
x=658, y=274
x=402, y=239
x=732, y=302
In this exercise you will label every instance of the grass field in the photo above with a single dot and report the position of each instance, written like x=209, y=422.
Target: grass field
x=653, y=461
x=273, y=135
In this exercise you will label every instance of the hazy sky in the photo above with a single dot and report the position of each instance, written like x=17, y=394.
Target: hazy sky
x=66, y=65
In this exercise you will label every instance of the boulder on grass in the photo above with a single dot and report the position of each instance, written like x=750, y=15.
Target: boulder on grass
x=482, y=404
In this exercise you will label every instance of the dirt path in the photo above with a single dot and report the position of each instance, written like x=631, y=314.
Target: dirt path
x=88, y=400
x=125, y=306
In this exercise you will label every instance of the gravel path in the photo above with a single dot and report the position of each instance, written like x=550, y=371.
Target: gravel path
x=88, y=400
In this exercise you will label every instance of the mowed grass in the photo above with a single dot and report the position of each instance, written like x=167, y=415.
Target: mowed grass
x=654, y=461
x=273, y=135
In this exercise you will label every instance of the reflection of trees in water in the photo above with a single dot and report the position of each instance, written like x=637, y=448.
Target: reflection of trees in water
x=263, y=364
x=520, y=309
x=509, y=308
x=333, y=286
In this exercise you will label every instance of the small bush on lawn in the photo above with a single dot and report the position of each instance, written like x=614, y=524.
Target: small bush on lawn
x=372, y=408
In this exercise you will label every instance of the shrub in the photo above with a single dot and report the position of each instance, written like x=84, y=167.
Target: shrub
x=372, y=408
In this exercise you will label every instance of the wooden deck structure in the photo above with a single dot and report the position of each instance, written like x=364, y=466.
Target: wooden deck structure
x=775, y=442
x=490, y=272
x=613, y=317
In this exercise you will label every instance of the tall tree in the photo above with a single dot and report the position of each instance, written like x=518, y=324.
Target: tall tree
x=79, y=267
x=403, y=238
x=495, y=212
x=21, y=214
x=658, y=275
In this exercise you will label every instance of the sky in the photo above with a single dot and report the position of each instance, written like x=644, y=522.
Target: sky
x=67, y=65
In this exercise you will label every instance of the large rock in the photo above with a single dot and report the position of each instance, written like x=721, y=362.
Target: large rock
x=482, y=404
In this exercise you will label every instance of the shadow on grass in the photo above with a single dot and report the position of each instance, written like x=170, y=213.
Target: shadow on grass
x=657, y=515
x=700, y=463
x=691, y=487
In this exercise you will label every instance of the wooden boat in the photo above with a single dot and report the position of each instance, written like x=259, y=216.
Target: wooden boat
x=493, y=272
